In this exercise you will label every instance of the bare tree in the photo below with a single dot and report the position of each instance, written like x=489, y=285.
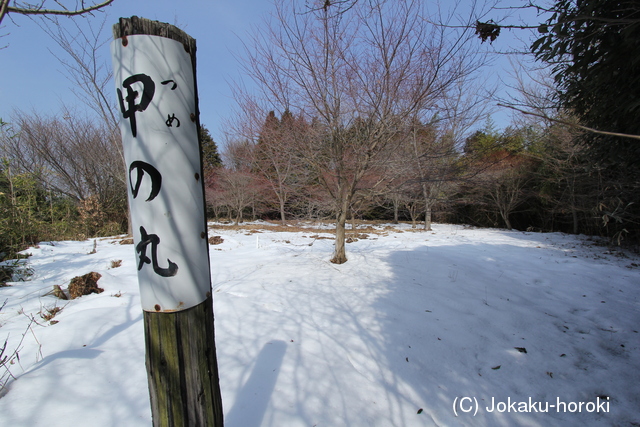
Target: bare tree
x=432, y=157
x=90, y=79
x=498, y=170
x=504, y=189
x=569, y=187
x=71, y=155
x=90, y=76
x=570, y=179
x=275, y=159
x=40, y=9
x=360, y=70
x=235, y=187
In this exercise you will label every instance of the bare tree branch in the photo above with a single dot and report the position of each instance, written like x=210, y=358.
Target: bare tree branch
x=564, y=122
x=28, y=9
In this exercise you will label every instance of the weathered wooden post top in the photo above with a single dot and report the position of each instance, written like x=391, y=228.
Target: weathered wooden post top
x=154, y=73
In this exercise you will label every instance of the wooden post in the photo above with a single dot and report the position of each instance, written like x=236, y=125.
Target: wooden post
x=154, y=72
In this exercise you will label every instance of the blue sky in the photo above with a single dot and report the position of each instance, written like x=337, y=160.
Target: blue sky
x=32, y=79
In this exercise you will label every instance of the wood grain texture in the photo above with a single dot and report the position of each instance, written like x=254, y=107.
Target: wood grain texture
x=182, y=367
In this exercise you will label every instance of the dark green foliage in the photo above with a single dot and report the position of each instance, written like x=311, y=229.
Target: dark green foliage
x=210, y=156
x=594, y=47
x=30, y=214
x=512, y=140
x=20, y=210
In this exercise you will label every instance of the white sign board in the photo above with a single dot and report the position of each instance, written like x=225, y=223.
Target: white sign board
x=156, y=92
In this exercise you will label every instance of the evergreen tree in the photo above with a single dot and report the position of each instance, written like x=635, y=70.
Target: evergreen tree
x=594, y=47
x=210, y=156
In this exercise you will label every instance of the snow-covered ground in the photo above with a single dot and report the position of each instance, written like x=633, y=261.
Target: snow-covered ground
x=415, y=328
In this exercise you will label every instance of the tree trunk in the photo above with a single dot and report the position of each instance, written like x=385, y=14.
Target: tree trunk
x=507, y=222
x=354, y=222
x=427, y=218
x=283, y=218
x=396, y=205
x=413, y=214
x=339, y=254
x=574, y=211
x=427, y=205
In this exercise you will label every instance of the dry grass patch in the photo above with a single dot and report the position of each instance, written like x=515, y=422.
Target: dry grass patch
x=49, y=313
x=356, y=236
x=84, y=285
x=275, y=228
x=369, y=227
x=315, y=236
x=215, y=240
